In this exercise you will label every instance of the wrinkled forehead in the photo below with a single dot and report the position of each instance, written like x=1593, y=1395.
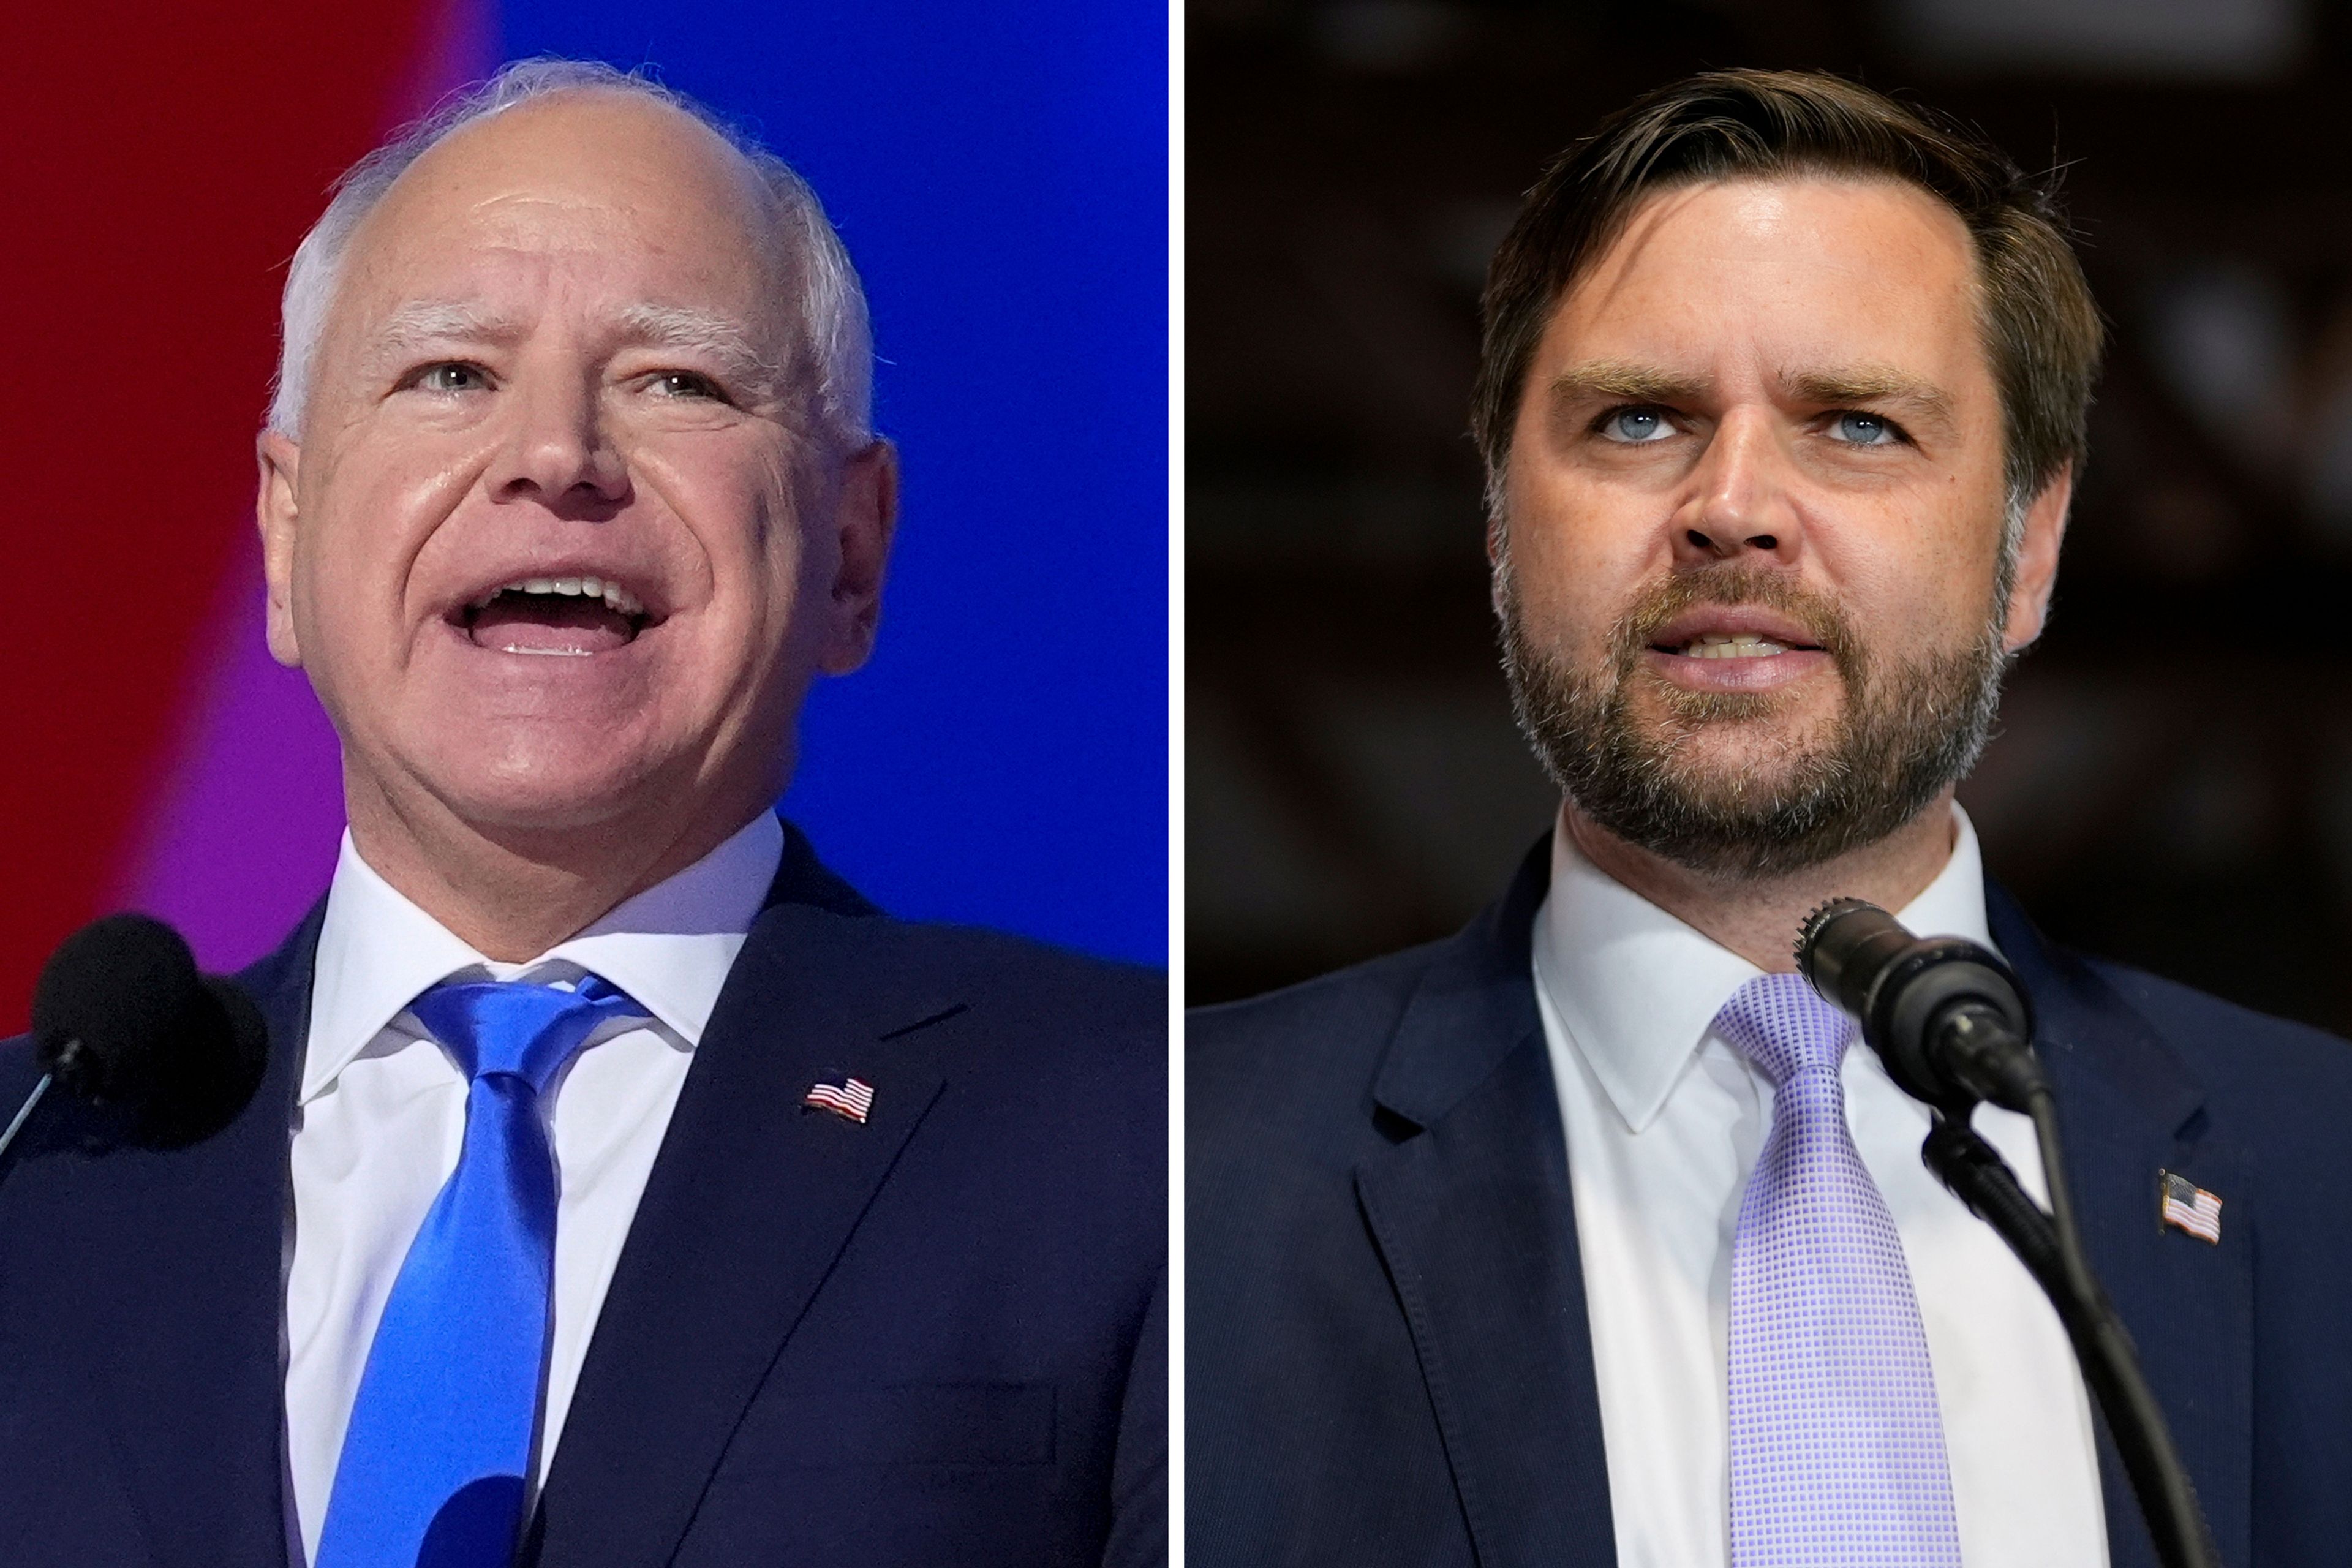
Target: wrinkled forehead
x=593, y=201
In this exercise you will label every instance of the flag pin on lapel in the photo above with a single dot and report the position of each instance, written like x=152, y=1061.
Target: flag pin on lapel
x=2185, y=1206
x=850, y=1099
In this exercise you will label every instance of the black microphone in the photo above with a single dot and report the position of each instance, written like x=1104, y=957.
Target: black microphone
x=1945, y=1014
x=1952, y=1025
x=122, y=1020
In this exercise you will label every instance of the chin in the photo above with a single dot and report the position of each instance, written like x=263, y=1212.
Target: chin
x=1758, y=743
x=576, y=783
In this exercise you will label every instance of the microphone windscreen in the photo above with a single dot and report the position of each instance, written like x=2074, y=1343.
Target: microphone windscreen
x=1844, y=946
x=127, y=988
x=124, y=1019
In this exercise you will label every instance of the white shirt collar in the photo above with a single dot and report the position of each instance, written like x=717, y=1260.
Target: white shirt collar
x=1638, y=990
x=669, y=947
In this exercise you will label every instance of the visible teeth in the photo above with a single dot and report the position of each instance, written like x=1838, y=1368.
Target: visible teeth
x=1738, y=645
x=617, y=598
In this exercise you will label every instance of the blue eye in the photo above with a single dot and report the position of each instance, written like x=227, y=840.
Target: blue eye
x=1636, y=426
x=1863, y=430
x=687, y=383
x=453, y=377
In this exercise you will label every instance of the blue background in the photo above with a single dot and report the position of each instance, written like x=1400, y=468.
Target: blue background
x=998, y=173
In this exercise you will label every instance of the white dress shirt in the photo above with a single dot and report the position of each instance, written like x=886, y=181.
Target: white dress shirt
x=1665, y=1121
x=382, y=1116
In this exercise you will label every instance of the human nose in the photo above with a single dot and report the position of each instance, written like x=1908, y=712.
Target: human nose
x=1741, y=500
x=559, y=450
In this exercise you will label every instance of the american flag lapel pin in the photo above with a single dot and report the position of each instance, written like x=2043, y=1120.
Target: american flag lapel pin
x=2185, y=1206
x=851, y=1099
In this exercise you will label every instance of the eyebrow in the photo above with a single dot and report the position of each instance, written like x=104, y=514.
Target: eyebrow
x=425, y=323
x=721, y=339
x=1866, y=386
x=1876, y=386
x=1627, y=380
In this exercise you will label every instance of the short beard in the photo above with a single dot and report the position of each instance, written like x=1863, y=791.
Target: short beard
x=1906, y=731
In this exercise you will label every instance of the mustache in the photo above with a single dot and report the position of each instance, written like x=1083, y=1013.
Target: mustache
x=1728, y=583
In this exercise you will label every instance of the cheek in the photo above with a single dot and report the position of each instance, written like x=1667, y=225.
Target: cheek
x=760, y=566
x=332, y=599
x=1960, y=555
x=1580, y=554
x=1907, y=585
x=770, y=553
x=802, y=578
x=799, y=554
x=374, y=524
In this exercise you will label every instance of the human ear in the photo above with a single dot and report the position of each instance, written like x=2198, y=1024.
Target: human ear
x=866, y=518
x=2037, y=561
x=279, y=517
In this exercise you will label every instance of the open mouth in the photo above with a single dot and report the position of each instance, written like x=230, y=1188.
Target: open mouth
x=1735, y=645
x=564, y=617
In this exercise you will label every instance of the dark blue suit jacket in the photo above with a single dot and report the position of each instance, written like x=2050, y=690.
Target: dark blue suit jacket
x=937, y=1338
x=1388, y=1358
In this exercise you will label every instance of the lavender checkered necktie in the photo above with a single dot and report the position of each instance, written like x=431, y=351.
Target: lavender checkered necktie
x=1837, y=1450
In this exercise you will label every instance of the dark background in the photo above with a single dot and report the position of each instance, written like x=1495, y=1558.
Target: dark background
x=2172, y=785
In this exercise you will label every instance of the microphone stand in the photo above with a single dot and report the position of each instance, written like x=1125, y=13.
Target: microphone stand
x=2052, y=1251
x=1949, y=1022
x=68, y=1058
x=25, y=1111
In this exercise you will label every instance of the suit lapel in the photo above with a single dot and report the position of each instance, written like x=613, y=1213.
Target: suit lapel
x=180, y=1269
x=1472, y=1210
x=2130, y=1107
x=183, y=1283
x=1477, y=1172
x=748, y=1206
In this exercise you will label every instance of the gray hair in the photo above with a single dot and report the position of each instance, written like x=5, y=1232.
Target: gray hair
x=836, y=338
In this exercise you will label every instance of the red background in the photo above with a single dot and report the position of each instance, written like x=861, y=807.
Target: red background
x=161, y=164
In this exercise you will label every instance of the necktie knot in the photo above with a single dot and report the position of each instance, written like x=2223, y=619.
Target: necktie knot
x=521, y=1030
x=1781, y=1023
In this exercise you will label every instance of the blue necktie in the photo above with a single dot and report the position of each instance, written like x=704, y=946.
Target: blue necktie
x=435, y=1460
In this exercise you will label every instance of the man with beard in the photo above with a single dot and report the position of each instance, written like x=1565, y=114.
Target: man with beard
x=1583, y=1237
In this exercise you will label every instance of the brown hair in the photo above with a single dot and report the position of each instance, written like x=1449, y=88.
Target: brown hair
x=2041, y=329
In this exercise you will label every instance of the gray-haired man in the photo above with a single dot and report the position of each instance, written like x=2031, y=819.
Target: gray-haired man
x=649, y=1197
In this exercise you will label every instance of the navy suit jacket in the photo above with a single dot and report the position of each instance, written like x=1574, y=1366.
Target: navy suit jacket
x=936, y=1337
x=1388, y=1355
